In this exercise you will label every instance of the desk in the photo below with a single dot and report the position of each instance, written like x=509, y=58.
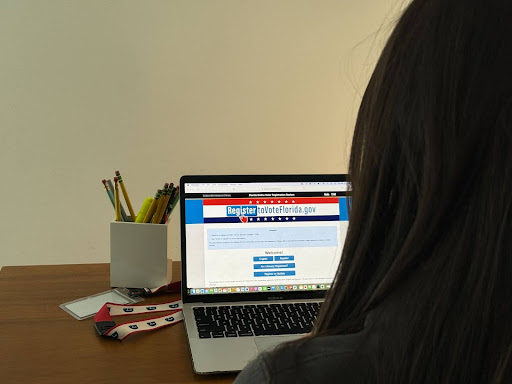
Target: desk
x=41, y=343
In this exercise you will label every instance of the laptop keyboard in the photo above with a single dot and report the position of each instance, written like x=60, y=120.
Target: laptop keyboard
x=255, y=320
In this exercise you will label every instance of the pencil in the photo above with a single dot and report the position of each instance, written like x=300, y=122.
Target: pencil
x=111, y=188
x=160, y=217
x=161, y=204
x=118, y=208
x=175, y=200
x=125, y=194
x=153, y=207
x=172, y=193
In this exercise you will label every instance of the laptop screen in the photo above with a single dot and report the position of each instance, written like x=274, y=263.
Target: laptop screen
x=261, y=236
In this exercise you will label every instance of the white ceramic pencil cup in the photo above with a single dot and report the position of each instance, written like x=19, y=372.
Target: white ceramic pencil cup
x=139, y=255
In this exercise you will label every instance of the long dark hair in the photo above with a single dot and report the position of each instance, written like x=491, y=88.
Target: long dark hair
x=429, y=244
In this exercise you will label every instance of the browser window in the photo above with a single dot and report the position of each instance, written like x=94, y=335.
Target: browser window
x=254, y=237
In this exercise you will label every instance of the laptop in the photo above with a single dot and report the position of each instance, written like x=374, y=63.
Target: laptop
x=258, y=255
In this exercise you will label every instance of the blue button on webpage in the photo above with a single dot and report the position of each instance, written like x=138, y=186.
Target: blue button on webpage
x=271, y=274
x=263, y=258
x=274, y=266
x=284, y=258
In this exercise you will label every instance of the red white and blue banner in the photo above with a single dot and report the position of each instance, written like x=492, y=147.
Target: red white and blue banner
x=265, y=210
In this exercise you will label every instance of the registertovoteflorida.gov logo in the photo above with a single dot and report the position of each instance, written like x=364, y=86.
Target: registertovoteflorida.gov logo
x=244, y=211
x=241, y=211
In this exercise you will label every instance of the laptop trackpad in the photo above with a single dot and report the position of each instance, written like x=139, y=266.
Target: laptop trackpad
x=268, y=343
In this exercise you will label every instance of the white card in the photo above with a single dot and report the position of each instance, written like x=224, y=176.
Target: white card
x=88, y=306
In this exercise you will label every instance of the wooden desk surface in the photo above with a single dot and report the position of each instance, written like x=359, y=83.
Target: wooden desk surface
x=41, y=343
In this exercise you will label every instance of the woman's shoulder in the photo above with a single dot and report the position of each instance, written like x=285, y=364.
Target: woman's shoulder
x=326, y=359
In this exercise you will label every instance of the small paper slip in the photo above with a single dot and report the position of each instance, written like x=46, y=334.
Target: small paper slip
x=88, y=306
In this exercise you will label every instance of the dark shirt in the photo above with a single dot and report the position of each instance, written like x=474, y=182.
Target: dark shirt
x=343, y=359
x=328, y=359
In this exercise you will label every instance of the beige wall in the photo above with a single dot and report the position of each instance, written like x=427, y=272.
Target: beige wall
x=159, y=89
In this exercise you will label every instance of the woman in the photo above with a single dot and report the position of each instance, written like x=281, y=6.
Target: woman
x=424, y=290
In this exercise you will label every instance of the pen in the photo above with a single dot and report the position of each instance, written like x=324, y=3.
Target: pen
x=111, y=188
x=125, y=194
x=118, y=208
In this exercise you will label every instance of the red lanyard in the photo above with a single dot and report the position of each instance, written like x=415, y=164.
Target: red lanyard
x=107, y=327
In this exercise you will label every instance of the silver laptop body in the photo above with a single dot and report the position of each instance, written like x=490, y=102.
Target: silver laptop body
x=255, y=243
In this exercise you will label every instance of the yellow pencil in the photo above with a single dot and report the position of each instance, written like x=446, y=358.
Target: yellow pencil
x=125, y=194
x=152, y=208
x=160, y=205
x=161, y=213
x=117, y=201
